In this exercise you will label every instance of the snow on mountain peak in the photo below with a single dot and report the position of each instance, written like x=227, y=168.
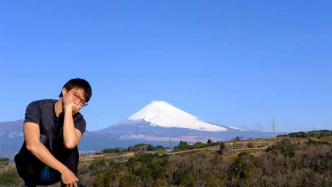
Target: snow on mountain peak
x=160, y=113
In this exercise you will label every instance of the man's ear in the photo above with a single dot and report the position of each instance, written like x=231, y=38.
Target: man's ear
x=64, y=91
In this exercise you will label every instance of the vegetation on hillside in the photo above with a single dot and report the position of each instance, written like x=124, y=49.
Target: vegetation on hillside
x=10, y=178
x=286, y=163
x=279, y=162
x=139, y=147
x=184, y=146
x=4, y=159
x=309, y=134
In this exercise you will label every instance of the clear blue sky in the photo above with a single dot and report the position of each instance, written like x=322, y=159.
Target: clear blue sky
x=235, y=63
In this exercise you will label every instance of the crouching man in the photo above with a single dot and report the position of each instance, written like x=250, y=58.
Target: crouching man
x=52, y=130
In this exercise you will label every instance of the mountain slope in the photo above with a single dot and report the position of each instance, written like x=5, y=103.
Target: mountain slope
x=11, y=138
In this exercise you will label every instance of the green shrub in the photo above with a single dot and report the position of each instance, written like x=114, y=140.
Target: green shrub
x=222, y=148
x=285, y=147
x=314, y=142
x=243, y=165
x=198, y=145
x=4, y=159
x=9, y=178
x=187, y=178
x=183, y=146
x=97, y=165
x=250, y=145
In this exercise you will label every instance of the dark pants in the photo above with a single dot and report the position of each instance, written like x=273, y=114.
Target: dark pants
x=31, y=168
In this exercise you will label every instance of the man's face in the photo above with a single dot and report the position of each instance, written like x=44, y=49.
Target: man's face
x=75, y=95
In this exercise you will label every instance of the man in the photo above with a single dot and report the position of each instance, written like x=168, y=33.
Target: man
x=52, y=131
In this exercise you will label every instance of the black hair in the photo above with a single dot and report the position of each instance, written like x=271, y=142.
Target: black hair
x=80, y=83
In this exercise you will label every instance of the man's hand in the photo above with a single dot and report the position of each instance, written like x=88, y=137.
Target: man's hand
x=72, y=107
x=68, y=178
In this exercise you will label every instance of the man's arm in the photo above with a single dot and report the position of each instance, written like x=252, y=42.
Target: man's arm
x=71, y=135
x=33, y=144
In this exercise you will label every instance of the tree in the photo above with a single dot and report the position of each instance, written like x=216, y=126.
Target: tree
x=222, y=148
x=198, y=145
x=150, y=147
x=183, y=146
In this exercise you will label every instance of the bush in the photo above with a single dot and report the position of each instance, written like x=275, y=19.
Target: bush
x=183, y=146
x=148, y=167
x=141, y=147
x=9, y=178
x=250, y=145
x=314, y=142
x=243, y=165
x=187, y=178
x=4, y=159
x=198, y=145
x=222, y=148
x=285, y=147
x=97, y=165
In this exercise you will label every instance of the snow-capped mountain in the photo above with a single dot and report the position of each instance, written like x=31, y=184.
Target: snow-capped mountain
x=162, y=114
x=159, y=123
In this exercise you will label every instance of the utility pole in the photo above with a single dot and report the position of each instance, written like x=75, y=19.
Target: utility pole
x=274, y=128
x=170, y=142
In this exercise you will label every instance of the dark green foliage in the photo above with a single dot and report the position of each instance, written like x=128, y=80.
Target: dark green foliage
x=9, y=178
x=222, y=145
x=198, y=145
x=186, y=178
x=314, y=142
x=97, y=166
x=250, y=145
x=318, y=168
x=144, y=147
x=312, y=134
x=148, y=167
x=114, y=150
x=113, y=164
x=209, y=141
x=298, y=135
x=183, y=146
x=238, y=138
x=135, y=148
x=150, y=147
x=160, y=147
x=243, y=165
x=285, y=147
x=222, y=148
x=4, y=159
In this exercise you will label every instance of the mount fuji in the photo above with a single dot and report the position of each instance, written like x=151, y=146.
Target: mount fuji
x=159, y=123
x=162, y=114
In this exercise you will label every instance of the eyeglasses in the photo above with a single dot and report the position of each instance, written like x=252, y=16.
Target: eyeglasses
x=77, y=97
